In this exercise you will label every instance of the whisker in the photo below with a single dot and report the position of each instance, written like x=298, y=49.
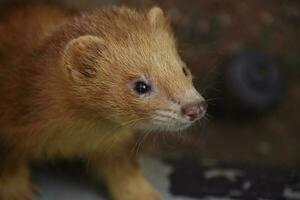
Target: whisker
x=212, y=99
x=166, y=116
x=139, y=143
x=110, y=134
x=161, y=122
x=168, y=110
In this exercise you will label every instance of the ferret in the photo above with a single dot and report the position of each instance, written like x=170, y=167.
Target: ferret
x=82, y=85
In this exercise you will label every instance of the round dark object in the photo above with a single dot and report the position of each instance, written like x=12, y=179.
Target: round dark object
x=253, y=81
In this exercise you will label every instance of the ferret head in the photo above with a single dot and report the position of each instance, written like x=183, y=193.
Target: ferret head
x=129, y=71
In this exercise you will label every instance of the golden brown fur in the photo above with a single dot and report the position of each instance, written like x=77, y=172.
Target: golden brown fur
x=65, y=86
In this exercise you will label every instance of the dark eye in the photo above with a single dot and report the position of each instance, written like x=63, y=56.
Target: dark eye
x=185, y=71
x=141, y=87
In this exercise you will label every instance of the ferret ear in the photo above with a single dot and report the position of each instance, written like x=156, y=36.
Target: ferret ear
x=81, y=56
x=156, y=16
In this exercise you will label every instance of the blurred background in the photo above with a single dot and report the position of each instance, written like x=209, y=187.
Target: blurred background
x=245, y=56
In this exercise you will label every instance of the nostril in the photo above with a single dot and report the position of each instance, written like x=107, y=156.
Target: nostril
x=194, y=110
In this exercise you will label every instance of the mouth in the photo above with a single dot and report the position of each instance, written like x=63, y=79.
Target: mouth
x=171, y=126
x=171, y=121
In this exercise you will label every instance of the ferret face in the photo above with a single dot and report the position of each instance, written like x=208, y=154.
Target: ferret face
x=162, y=95
x=139, y=81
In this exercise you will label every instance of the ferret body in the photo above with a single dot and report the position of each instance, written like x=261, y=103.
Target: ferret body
x=80, y=86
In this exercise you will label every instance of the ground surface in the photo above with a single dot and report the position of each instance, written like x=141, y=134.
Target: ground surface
x=69, y=183
x=181, y=180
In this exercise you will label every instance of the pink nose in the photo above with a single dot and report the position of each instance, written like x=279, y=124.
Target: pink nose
x=194, y=110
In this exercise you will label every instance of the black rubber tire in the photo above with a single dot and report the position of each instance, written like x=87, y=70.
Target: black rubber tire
x=253, y=81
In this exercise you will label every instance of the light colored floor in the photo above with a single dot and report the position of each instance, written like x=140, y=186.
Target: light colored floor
x=57, y=187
